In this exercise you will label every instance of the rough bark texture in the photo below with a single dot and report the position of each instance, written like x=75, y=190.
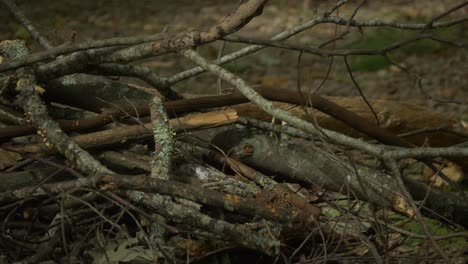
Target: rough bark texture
x=320, y=168
x=312, y=166
x=93, y=92
x=121, y=135
x=163, y=140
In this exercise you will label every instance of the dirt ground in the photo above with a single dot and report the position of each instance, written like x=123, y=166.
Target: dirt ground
x=443, y=69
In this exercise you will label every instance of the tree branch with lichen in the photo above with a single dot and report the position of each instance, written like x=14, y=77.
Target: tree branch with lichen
x=163, y=140
x=36, y=111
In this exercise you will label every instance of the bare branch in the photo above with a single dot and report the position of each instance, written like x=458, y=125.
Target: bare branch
x=268, y=107
x=163, y=141
x=27, y=24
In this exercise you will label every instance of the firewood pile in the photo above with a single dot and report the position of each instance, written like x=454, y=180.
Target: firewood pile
x=99, y=170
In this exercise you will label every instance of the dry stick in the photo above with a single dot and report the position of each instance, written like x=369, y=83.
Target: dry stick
x=244, y=13
x=163, y=141
x=229, y=202
x=224, y=230
x=272, y=93
x=143, y=73
x=27, y=24
x=358, y=88
x=51, y=132
x=427, y=153
x=414, y=235
x=338, y=138
x=447, y=12
x=320, y=103
x=267, y=183
x=330, y=64
x=53, y=52
x=173, y=107
x=309, y=24
x=455, y=151
x=37, y=112
x=236, y=20
x=163, y=147
x=128, y=161
x=126, y=204
x=72, y=64
x=335, y=7
x=332, y=40
x=124, y=134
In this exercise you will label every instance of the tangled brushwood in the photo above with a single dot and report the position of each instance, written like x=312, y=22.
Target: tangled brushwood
x=106, y=159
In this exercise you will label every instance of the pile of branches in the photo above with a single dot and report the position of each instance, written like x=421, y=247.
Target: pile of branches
x=136, y=174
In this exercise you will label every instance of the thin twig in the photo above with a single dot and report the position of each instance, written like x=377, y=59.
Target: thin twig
x=19, y=15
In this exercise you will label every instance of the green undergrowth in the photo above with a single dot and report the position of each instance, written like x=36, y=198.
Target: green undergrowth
x=407, y=243
x=382, y=37
x=435, y=228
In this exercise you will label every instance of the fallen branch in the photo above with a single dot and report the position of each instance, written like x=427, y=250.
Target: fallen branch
x=113, y=182
x=136, y=132
x=36, y=112
x=319, y=168
x=222, y=229
x=350, y=111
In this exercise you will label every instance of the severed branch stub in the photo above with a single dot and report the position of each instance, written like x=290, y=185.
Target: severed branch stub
x=163, y=140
